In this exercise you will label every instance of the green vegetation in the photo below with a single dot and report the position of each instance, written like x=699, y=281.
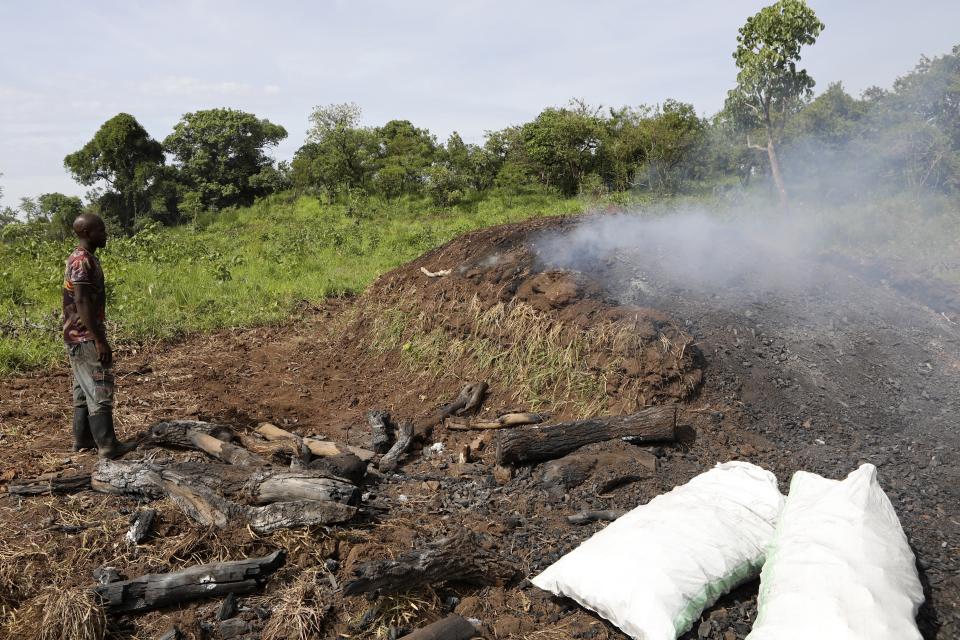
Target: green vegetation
x=241, y=267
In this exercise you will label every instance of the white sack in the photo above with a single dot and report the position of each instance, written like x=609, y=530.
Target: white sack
x=840, y=566
x=654, y=570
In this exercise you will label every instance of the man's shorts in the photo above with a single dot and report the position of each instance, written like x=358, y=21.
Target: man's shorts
x=92, y=383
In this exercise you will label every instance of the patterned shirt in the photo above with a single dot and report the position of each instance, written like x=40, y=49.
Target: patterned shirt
x=82, y=267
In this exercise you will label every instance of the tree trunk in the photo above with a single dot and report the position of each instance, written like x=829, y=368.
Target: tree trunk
x=534, y=444
x=777, y=175
x=153, y=591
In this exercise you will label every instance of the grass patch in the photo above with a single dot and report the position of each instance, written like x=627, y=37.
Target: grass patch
x=247, y=267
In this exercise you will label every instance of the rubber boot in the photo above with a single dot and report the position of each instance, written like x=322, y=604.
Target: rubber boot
x=82, y=438
x=101, y=426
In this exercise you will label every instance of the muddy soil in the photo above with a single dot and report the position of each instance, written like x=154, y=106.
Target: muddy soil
x=822, y=379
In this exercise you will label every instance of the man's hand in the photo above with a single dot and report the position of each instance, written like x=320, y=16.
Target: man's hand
x=104, y=353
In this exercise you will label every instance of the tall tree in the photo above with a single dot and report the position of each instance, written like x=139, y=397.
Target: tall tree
x=770, y=88
x=405, y=154
x=221, y=154
x=124, y=156
x=669, y=135
x=338, y=154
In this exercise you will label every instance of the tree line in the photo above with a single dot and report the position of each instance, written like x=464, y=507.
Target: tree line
x=772, y=129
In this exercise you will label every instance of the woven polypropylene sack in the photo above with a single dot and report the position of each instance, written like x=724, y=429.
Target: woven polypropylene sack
x=840, y=566
x=654, y=570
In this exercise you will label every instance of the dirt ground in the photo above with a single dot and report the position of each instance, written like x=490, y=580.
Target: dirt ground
x=821, y=379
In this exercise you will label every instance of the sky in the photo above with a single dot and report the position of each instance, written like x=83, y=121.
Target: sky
x=67, y=66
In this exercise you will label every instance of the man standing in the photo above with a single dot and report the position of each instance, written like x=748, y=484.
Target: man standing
x=84, y=332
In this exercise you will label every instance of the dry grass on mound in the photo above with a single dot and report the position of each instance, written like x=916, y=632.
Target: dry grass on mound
x=58, y=613
x=543, y=360
x=299, y=609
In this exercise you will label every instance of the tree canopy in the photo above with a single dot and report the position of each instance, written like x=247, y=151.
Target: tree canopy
x=122, y=155
x=221, y=156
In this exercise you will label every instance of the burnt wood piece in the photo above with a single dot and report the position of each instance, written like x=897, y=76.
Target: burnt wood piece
x=585, y=517
x=140, y=525
x=615, y=483
x=379, y=422
x=153, y=591
x=50, y=483
x=204, y=437
x=534, y=444
x=228, y=608
x=506, y=420
x=346, y=466
x=391, y=458
x=453, y=627
x=255, y=486
x=198, y=490
x=319, y=448
x=270, y=449
x=470, y=399
x=175, y=432
x=463, y=557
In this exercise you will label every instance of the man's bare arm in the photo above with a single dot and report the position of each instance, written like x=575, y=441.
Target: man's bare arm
x=84, y=297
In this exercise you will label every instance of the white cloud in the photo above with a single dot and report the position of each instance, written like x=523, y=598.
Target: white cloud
x=190, y=87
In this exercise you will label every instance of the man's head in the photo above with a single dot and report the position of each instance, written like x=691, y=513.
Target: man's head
x=89, y=227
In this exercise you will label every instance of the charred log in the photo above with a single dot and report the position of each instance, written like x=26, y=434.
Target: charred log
x=453, y=627
x=153, y=591
x=533, y=444
x=317, y=447
x=463, y=557
x=204, y=437
x=470, y=399
x=290, y=498
x=50, y=483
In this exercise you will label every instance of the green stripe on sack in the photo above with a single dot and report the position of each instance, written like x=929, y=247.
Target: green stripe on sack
x=712, y=591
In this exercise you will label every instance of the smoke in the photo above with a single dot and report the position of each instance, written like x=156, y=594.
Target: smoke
x=692, y=251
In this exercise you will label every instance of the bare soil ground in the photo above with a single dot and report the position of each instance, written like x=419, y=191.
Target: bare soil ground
x=822, y=380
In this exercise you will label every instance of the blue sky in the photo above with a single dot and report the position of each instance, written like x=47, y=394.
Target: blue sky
x=65, y=67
